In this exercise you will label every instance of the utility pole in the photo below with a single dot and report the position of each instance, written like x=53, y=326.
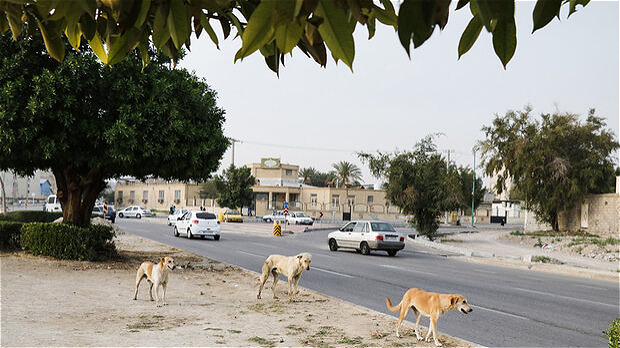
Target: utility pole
x=233, y=148
x=473, y=189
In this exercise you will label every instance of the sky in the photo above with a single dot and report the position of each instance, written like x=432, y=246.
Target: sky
x=314, y=117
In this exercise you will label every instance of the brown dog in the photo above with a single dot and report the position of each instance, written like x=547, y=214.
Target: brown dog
x=155, y=274
x=429, y=304
x=290, y=266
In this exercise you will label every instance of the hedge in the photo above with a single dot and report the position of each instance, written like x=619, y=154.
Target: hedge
x=65, y=241
x=30, y=216
x=10, y=235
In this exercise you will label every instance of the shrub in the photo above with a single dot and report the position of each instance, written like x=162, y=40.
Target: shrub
x=65, y=241
x=30, y=216
x=613, y=333
x=10, y=235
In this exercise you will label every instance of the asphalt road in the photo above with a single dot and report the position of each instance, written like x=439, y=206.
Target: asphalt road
x=511, y=307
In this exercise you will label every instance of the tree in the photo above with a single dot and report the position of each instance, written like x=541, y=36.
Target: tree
x=553, y=162
x=274, y=28
x=347, y=173
x=235, y=187
x=311, y=176
x=209, y=190
x=466, y=178
x=86, y=122
x=419, y=182
x=306, y=174
x=107, y=194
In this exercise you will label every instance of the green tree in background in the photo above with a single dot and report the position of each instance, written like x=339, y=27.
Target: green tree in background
x=209, y=190
x=419, y=182
x=86, y=122
x=553, y=162
x=113, y=28
x=235, y=187
x=466, y=178
x=346, y=173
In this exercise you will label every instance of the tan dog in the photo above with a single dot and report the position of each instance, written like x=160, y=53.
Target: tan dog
x=155, y=274
x=429, y=304
x=290, y=266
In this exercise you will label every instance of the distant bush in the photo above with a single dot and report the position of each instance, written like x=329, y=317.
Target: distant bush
x=10, y=233
x=65, y=241
x=613, y=333
x=30, y=216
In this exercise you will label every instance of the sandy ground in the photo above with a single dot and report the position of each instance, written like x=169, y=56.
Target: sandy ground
x=47, y=302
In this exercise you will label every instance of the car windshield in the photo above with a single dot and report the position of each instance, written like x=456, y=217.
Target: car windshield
x=233, y=212
x=206, y=216
x=300, y=215
x=382, y=226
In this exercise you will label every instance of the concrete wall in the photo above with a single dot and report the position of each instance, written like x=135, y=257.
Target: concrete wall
x=598, y=214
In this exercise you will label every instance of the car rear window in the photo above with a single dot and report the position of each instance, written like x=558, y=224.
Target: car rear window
x=206, y=216
x=382, y=226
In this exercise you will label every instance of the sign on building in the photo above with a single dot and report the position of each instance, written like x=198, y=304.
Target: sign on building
x=270, y=163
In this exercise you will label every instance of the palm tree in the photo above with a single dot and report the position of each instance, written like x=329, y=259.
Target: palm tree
x=306, y=174
x=347, y=172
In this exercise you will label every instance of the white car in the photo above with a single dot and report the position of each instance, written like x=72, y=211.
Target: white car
x=134, y=211
x=297, y=218
x=52, y=204
x=198, y=223
x=364, y=236
x=172, y=218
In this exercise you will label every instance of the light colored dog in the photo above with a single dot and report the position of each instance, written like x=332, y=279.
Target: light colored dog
x=155, y=274
x=429, y=304
x=290, y=266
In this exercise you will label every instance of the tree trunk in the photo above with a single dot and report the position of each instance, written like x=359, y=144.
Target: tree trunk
x=77, y=193
x=555, y=223
x=3, y=196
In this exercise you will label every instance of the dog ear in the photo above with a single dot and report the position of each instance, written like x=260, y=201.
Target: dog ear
x=300, y=256
x=162, y=259
x=453, y=299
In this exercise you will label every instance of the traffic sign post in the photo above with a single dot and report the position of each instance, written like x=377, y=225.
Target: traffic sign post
x=105, y=208
x=285, y=211
x=277, y=229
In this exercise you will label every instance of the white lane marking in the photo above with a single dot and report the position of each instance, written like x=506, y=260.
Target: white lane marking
x=500, y=312
x=485, y=271
x=408, y=270
x=567, y=297
x=331, y=272
x=264, y=245
x=590, y=287
x=325, y=256
x=255, y=255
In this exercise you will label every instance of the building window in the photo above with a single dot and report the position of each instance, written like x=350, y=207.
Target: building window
x=132, y=196
x=335, y=201
x=177, y=196
x=120, y=196
x=145, y=196
x=351, y=200
x=313, y=199
x=289, y=172
x=370, y=199
x=262, y=196
x=161, y=196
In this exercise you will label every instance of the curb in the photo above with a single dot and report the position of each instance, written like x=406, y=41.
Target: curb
x=450, y=248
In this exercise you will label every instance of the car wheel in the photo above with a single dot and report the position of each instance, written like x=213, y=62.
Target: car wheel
x=120, y=215
x=392, y=252
x=189, y=234
x=269, y=220
x=333, y=245
x=216, y=237
x=364, y=248
x=202, y=237
x=113, y=220
x=138, y=216
x=176, y=232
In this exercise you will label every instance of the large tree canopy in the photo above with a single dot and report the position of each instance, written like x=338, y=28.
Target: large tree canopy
x=553, y=163
x=113, y=28
x=235, y=187
x=87, y=122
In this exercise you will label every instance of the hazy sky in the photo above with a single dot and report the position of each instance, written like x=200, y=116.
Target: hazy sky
x=313, y=116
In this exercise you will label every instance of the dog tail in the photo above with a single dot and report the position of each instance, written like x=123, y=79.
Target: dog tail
x=390, y=307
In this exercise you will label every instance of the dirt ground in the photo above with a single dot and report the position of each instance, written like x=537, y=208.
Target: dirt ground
x=47, y=302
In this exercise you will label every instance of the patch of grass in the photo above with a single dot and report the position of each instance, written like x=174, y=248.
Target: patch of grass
x=378, y=335
x=220, y=342
x=579, y=249
x=257, y=307
x=235, y=331
x=158, y=316
x=403, y=344
x=295, y=329
x=212, y=328
x=550, y=233
x=543, y=259
x=350, y=341
x=262, y=341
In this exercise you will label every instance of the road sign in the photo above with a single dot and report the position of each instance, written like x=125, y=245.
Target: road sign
x=277, y=229
x=321, y=214
x=285, y=205
x=105, y=208
x=285, y=211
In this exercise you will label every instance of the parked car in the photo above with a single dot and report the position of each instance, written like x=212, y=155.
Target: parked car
x=299, y=218
x=198, y=223
x=278, y=215
x=110, y=215
x=364, y=236
x=52, y=204
x=232, y=216
x=172, y=218
x=134, y=211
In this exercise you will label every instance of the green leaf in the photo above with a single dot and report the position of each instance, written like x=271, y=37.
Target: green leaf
x=574, y=3
x=505, y=39
x=145, y=6
x=461, y=3
x=470, y=35
x=336, y=31
x=386, y=17
x=259, y=30
x=160, y=30
x=178, y=23
x=15, y=24
x=283, y=12
x=204, y=21
x=484, y=12
x=413, y=23
x=97, y=47
x=73, y=34
x=144, y=51
x=371, y=25
x=53, y=42
x=544, y=11
x=288, y=35
x=123, y=45
x=4, y=24
x=88, y=26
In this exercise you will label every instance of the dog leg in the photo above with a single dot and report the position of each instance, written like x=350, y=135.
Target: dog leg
x=417, y=324
x=164, y=286
x=157, y=302
x=296, y=280
x=403, y=313
x=263, y=278
x=276, y=277
x=433, y=329
x=290, y=289
x=151, y=290
x=139, y=278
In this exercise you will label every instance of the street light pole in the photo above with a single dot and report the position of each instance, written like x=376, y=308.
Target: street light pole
x=473, y=189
